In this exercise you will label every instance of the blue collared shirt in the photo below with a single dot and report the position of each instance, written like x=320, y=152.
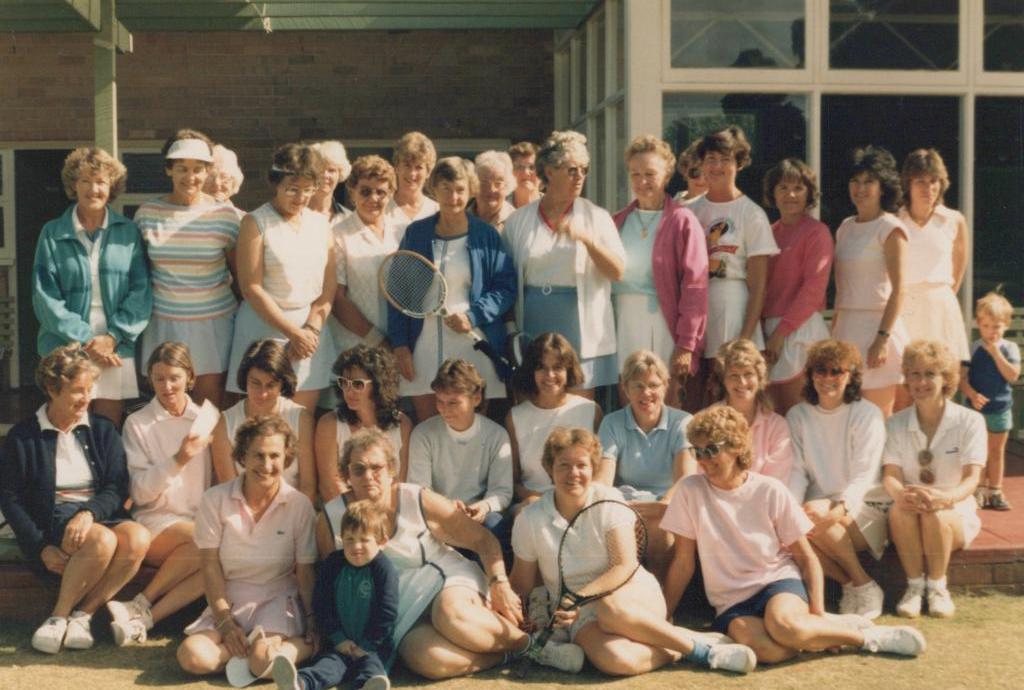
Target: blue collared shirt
x=644, y=460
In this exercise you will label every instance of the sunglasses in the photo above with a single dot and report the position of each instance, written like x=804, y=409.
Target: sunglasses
x=828, y=371
x=359, y=470
x=706, y=452
x=926, y=474
x=355, y=384
x=367, y=192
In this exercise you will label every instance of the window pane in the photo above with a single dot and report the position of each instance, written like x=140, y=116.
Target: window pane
x=898, y=123
x=894, y=34
x=145, y=173
x=600, y=26
x=579, y=73
x=623, y=191
x=775, y=125
x=1004, y=35
x=599, y=160
x=620, y=47
x=999, y=197
x=738, y=33
x=3, y=230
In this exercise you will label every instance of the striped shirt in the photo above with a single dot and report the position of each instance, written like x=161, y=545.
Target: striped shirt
x=186, y=247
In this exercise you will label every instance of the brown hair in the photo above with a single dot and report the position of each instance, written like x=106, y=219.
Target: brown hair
x=414, y=147
x=932, y=354
x=742, y=353
x=640, y=363
x=924, y=163
x=184, y=134
x=730, y=141
x=522, y=150
x=533, y=359
x=726, y=427
x=458, y=376
x=95, y=160
x=995, y=306
x=295, y=160
x=63, y=364
x=790, y=169
x=560, y=439
x=262, y=426
x=454, y=169
x=173, y=354
x=379, y=364
x=362, y=441
x=365, y=517
x=268, y=355
x=648, y=143
x=833, y=353
x=371, y=167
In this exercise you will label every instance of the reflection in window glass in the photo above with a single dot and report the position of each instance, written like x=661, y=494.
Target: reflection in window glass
x=894, y=34
x=145, y=173
x=1004, y=35
x=738, y=33
x=601, y=46
x=579, y=72
x=999, y=197
x=775, y=124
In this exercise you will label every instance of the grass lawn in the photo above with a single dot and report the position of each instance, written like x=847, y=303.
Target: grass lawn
x=983, y=647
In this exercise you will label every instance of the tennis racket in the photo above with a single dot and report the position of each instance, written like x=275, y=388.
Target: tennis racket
x=588, y=565
x=415, y=286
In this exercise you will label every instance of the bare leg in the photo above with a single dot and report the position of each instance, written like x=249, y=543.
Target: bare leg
x=790, y=623
x=210, y=387
x=905, y=530
x=425, y=406
x=427, y=653
x=263, y=651
x=883, y=397
x=996, y=465
x=941, y=533
x=831, y=569
x=633, y=613
x=460, y=616
x=751, y=631
x=170, y=551
x=202, y=653
x=111, y=409
x=838, y=543
x=616, y=655
x=132, y=543
x=84, y=569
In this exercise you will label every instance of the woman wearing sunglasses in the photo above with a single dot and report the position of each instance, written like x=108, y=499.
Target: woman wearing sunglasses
x=838, y=439
x=366, y=384
x=268, y=379
x=934, y=456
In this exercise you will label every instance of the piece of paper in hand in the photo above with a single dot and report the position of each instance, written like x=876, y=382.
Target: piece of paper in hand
x=205, y=420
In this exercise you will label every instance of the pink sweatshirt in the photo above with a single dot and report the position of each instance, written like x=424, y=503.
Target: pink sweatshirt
x=680, y=265
x=798, y=274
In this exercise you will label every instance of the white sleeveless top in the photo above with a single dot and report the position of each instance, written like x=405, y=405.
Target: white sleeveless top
x=294, y=257
x=533, y=425
x=288, y=410
x=862, y=281
x=929, y=255
x=342, y=433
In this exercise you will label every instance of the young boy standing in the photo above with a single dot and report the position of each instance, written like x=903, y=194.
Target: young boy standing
x=461, y=454
x=355, y=602
x=994, y=367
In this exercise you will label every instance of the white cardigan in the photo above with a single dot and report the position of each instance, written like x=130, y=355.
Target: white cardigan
x=593, y=289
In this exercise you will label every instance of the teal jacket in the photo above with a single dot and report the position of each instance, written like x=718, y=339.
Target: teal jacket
x=62, y=284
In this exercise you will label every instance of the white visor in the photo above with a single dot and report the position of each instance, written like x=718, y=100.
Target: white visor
x=196, y=149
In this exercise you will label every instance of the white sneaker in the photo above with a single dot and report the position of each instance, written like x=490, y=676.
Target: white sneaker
x=940, y=603
x=284, y=673
x=849, y=602
x=131, y=632
x=894, y=639
x=377, y=683
x=738, y=658
x=49, y=636
x=849, y=620
x=563, y=656
x=79, y=634
x=870, y=598
x=124, y=611
x=910, y=603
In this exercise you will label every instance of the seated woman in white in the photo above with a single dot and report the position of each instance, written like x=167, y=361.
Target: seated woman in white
x=837, y=465
x=627, y=632
x=934, y=456
x=549, y=370
x=759, y=569
x=268, y=379
x=170, y=469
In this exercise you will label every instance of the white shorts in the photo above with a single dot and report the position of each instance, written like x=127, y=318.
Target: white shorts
x=932, y=312
x=650, y=591
x=727, y=307
x=793, y=356
x=640, y=325
x=859, y=327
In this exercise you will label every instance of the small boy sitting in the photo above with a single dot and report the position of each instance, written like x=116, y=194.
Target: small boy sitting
x=461, y=454
x=355, y=602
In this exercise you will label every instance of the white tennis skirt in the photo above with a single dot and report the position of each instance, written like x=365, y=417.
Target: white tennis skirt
x=117, y=383
x=793, y=356
x=727, y=306
x=859, y=327
x=640, y=325
x=932, y=312
x=208, y=340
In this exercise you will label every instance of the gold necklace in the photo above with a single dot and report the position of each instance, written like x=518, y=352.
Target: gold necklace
x=645, y=228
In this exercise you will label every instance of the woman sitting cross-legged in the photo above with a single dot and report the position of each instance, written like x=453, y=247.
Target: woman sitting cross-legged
x=760, y=572
x=933, y=459
x=256, y=547
x=63, y=484
x=627, y=632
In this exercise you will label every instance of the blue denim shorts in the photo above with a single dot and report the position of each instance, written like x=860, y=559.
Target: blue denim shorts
x=755, y=606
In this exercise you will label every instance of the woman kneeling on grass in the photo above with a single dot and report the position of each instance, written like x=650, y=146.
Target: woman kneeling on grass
x=760, y=572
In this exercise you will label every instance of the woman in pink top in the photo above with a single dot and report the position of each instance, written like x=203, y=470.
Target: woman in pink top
x=673, y=266
x=870, y=264
x=742, y=378
x=760, y=572
x=797, y=279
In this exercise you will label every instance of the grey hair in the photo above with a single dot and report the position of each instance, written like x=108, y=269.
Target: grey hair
x=558, y=148
x=499, y=162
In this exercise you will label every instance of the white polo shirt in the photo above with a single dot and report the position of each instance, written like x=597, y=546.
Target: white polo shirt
x=959, y=441
x=72, y=471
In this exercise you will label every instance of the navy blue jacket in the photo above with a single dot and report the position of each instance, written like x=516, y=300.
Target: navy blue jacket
x=28, y=478
x=491, y=293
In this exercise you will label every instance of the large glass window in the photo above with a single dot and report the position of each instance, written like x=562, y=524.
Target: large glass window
x=999, y=197
x=775, y=125
x=738, y=33
x=898, y=123
x=894, y=34
x=1004, y=35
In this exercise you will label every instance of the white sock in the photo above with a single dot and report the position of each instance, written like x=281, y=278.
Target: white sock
x=78, y=613
x=915, y=582
x=863, y=587
x=937, y=585
x=142, y=601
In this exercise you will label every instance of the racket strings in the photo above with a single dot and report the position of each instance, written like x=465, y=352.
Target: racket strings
x=591, y=548
x=413, y=285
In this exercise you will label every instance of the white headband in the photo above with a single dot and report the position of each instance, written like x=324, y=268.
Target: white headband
x=196, y=149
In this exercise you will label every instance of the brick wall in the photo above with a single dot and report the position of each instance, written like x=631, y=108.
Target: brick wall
x=252, y=91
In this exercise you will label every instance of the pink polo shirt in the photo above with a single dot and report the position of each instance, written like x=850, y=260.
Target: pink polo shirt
x=259, y=553
x=798, y=274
